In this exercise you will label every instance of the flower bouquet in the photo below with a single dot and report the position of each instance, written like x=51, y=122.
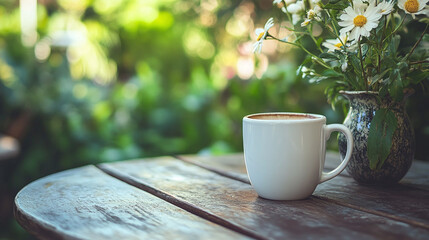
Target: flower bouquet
x=358, y=47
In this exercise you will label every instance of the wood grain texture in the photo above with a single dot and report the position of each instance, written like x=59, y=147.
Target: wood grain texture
x=190, y=186
x=86, y=203
x=406, y=202
x=233, y=165
x=416, y=177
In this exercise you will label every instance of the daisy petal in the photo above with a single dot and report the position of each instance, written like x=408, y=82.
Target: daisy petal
x=257, y=47
x=364, y=32
x=350, y=11
x=345, y=23
x=269, y=24
x=348, y=28
x=346, y=17
x=258, y=31
x=421, y=5
x=370, y=25
x=354, y=34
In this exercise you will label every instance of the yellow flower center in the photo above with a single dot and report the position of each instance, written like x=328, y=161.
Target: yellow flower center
x=361, y=20
x=338, y=45
x=411, y=6
x=260, y=36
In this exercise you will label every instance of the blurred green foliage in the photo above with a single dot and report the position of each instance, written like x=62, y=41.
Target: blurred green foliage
x=120, y=79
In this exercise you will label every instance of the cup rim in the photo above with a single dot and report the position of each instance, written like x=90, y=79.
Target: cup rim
x=313, y=117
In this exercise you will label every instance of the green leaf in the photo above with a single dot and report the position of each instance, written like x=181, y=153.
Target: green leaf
x=424, y=20
x=381, y=131
x=383, y=91
x=380, y=25
x=317, y=80
x=355, y=63
x=365, y=48
x=353, y=80
x=403, y=67
x=331, y=73
x=394, y=44
x=319, y=41
x=396, y=87
x=328, y=55
x=389, y=61
x=378, y=77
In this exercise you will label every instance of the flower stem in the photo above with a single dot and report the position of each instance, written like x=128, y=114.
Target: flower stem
x=289, y=16
x=319, y=60
x=333, y=22
x=310, y=30
x=306, y=5
x=335, y=32
x=396, y=29
x=418, y=62
x=361, y=64
x=381, y=45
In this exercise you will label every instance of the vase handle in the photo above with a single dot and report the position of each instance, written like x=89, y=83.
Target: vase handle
x=328, y=129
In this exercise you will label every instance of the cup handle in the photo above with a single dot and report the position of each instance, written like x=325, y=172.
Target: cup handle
x=328, y=129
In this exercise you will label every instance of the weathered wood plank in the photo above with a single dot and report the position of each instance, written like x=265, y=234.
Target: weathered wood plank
x=190, y=186
x=416, y=177
x=233, y=166
x=398, y=202
x=86, y=203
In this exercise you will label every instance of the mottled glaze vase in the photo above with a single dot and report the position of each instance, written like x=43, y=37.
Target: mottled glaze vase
x=362, y=109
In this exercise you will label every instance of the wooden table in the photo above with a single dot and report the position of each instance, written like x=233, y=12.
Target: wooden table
x=191, y=197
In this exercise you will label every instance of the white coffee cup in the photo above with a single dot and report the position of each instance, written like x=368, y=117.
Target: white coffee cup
x=285, y=153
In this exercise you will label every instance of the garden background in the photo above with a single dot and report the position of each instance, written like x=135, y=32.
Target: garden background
x=84, y=82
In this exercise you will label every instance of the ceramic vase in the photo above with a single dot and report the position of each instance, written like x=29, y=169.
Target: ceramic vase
x=363, y=106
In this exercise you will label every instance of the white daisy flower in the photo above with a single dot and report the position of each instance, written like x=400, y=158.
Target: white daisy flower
x=306, y=72
x=262, y=35
x=413, y=7
x=306, y=22
x=312, y=14
x=335, y=44
x=296, y=9
x=386, y=7
x=358, y=21
x=277, y=1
